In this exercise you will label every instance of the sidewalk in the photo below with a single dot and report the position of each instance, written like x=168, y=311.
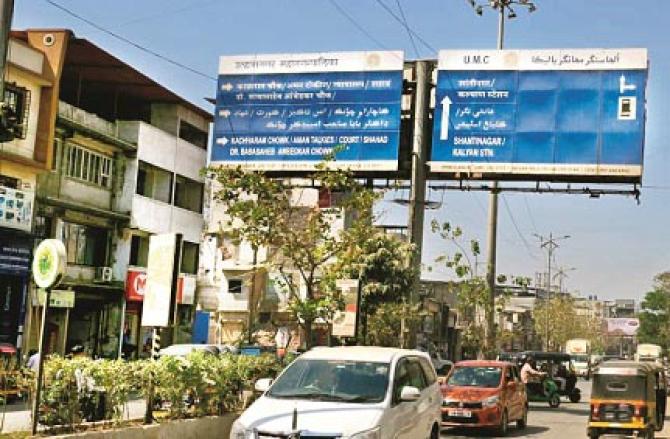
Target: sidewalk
x=18, y=417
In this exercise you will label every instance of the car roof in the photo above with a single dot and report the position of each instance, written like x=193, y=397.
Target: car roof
x=357, y=353
x=483, y=363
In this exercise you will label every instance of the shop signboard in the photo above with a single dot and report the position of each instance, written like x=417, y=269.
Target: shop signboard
x=15, y=257
x=16, y=208
x=57, y=299
x=160, y=273
x=562, y=114
x=186, y=289
x=136, y=283
x=344, y=322
x=286, y=112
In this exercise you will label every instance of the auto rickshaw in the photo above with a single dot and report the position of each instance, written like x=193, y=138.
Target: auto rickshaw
x=560, y=370
x=627, y=397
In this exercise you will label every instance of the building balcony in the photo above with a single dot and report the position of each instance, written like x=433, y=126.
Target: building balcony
x=155, y=216
x=162, y=149
x=91, y=125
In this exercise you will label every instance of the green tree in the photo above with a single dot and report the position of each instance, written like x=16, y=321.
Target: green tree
x=558, y=319
x=268, y=213
x=655, y=313
x=382, y=262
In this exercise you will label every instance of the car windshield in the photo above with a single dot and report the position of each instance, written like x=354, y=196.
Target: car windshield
x=580, y=358
x=471, y=376
x=333, y=380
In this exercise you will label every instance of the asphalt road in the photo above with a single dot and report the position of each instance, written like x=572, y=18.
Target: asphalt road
x=565, y=422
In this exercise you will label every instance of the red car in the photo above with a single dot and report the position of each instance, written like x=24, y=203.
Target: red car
x=484, y=394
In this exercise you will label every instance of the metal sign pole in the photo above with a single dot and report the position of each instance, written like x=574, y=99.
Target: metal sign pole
x=40, y=368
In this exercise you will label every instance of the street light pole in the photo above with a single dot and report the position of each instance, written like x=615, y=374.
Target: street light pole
x=550, y=244
x=502, y=7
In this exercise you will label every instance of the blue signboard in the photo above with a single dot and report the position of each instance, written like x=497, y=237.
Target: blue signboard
x=287, y=112
x=544, y=114
x=15, y=254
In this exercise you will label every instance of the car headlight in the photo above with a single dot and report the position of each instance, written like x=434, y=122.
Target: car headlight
x=491, y=401
x=374, y=433
x=238, y=431
x=447, y=401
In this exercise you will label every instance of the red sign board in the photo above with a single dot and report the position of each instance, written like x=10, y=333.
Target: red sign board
x=136, y=282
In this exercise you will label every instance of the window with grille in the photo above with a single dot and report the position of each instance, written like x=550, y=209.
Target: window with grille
x=88, y=166
x=17, y=100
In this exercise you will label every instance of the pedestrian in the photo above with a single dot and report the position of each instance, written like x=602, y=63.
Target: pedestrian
x=33, y=360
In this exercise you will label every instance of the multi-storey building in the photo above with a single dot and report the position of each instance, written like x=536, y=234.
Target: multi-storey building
x=126, y=159
x=29, y=87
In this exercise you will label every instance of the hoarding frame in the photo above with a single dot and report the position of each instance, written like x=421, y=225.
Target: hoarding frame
x=558, y=61
x=348, y=63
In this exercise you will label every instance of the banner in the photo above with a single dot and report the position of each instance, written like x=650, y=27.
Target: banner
x=16, y=208
x=622, y=326
x=160, y=270
x=344, y=322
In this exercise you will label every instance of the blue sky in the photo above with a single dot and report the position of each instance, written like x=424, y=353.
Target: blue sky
x=616, y=246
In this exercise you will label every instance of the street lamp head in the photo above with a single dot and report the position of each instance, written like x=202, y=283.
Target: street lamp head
x=511, y=14
x=472, y=3
x=479, y=10
x=532, y=8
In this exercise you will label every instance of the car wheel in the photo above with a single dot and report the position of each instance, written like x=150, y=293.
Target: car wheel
x=575, y=397
x=649, y=434
x=593, y=434
x=435, y=432
x=504, y=424
x=554, y=400
x=523, y=421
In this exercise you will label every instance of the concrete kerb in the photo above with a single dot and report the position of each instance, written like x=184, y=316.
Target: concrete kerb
x=211, y=426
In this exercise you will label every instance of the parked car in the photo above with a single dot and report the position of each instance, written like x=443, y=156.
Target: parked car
x=351, y=392
x=484, y=394
x=182, y=350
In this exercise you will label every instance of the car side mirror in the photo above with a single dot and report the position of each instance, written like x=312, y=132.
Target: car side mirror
x=409, y=393
x=263, y=384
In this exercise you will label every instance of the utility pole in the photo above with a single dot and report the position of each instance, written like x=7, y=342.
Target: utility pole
x=417, y=197
x=550, y=244
x=6, y=13
x=503, y=8
x=7, y=121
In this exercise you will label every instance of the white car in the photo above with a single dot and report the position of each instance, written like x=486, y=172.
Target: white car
x=348, y=393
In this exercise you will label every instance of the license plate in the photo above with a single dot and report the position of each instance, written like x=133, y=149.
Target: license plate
x=460, y=413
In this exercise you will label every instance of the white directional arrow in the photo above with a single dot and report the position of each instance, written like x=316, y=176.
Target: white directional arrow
x=444, y=127
x=227, y=87
x=224, y=113
x=223, y=141
x=623, y=87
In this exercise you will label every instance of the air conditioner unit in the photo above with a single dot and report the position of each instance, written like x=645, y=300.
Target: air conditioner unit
x=103, y=274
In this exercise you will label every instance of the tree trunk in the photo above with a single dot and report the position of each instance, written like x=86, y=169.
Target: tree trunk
x=308, y=334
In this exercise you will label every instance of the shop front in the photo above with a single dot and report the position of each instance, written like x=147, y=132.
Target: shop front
x=136, y=338
x=15, y=258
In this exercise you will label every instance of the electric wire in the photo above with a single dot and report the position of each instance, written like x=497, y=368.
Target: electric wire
x=516, y=227
x=399, y=20
x=530, y=213
x=409, y=31
x=127, y=41
x=357, y=25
